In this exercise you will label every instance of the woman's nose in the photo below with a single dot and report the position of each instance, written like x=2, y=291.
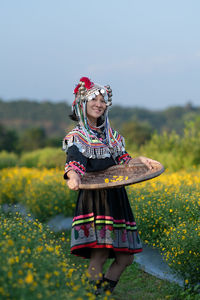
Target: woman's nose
x=98, y=103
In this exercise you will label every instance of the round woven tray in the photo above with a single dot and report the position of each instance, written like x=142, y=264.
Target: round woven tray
x=121, y=175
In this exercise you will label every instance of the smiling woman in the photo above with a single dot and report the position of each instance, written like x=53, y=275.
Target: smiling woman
x=103, y=226
x=95, y=109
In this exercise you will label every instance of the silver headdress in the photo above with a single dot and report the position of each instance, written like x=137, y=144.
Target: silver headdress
x=87, y=91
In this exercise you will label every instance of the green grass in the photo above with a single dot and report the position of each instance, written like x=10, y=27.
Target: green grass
x=135, y=284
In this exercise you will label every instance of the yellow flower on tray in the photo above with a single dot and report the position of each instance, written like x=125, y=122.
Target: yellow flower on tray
x=106, y=180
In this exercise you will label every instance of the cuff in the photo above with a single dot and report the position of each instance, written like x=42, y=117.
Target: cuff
x=124, y=159
x=75, y=166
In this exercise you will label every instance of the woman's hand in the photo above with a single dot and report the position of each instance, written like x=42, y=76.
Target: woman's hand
x=73, y=181
x=147, y=161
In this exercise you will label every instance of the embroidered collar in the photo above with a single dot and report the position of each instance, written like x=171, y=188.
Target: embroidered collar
x=95, y=147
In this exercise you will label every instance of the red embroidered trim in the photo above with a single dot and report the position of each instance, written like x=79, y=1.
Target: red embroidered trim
x=75, y=166
x=95, y=245
x=124, y=159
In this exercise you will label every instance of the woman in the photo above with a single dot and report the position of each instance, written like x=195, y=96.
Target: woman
x=103, y=226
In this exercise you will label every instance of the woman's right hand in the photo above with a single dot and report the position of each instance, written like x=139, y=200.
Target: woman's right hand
x=73, y=181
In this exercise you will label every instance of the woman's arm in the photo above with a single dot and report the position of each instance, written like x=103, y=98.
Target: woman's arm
x=73, y=181
x=75, y=167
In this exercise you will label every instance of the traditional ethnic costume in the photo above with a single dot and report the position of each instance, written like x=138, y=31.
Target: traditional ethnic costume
x=103, y=218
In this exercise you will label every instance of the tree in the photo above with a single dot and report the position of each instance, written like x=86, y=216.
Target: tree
x=32, y=139
x=136, y=133
x=8, y=139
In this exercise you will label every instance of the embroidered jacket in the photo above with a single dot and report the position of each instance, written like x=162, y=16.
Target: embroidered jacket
x=84, y=152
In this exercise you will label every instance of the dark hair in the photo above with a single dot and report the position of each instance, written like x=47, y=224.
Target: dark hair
x=100, y=121
x=74, y=117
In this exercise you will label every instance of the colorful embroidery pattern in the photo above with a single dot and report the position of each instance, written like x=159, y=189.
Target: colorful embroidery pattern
x=124, y=159
x=75, y=166
x=95, y=148
x=104, y=232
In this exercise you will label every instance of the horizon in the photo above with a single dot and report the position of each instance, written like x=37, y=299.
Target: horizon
x=189, y=103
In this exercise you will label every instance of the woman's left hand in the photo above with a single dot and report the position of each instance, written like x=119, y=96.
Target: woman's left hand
x=147, y=161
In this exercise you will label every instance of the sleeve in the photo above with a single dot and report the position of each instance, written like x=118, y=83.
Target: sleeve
x=123, y=158
x=75, y=161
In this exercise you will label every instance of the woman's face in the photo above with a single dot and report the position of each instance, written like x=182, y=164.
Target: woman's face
x=96, y=108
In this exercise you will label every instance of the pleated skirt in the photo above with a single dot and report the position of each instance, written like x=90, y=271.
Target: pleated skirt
x=104, y=219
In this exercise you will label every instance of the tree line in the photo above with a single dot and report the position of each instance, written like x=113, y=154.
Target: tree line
x=28, y=125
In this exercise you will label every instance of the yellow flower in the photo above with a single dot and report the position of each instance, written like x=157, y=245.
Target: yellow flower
x=10, y=242
x=47, y=275
x=39, y=248
x=106, y=180
x=108, y=293
x=11, y=260
x=76, y=287
x=186, y=281
x=49, y=248
x=56, y=273
x=29, y=278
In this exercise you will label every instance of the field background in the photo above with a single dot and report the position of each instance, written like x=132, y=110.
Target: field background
x=35, y=262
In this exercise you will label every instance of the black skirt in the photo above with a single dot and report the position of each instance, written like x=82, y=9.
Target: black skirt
x=104, y=219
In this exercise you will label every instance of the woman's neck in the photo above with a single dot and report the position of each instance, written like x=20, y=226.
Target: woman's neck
x=92, y=122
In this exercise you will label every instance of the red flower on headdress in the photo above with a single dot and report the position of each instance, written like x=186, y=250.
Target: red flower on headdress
x=88, y=84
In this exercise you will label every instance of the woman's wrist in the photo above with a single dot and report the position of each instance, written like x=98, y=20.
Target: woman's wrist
x=72, y=174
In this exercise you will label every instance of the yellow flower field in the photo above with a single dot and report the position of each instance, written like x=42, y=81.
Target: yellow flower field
x=43, y=192
x=167, y=209
x=36, y=265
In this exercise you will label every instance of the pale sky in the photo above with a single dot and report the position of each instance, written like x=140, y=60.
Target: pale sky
x=148, y=51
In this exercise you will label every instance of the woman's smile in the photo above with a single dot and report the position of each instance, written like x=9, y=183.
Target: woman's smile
x=95, y=108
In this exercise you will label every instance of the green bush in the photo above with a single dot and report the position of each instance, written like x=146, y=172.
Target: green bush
x=8, y=159
x=175, y=152
x=43, y=158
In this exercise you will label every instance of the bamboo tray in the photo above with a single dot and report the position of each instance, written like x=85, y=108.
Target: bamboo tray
x=121, y=175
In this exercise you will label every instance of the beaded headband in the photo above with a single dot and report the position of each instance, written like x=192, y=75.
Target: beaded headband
x=87, y=91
